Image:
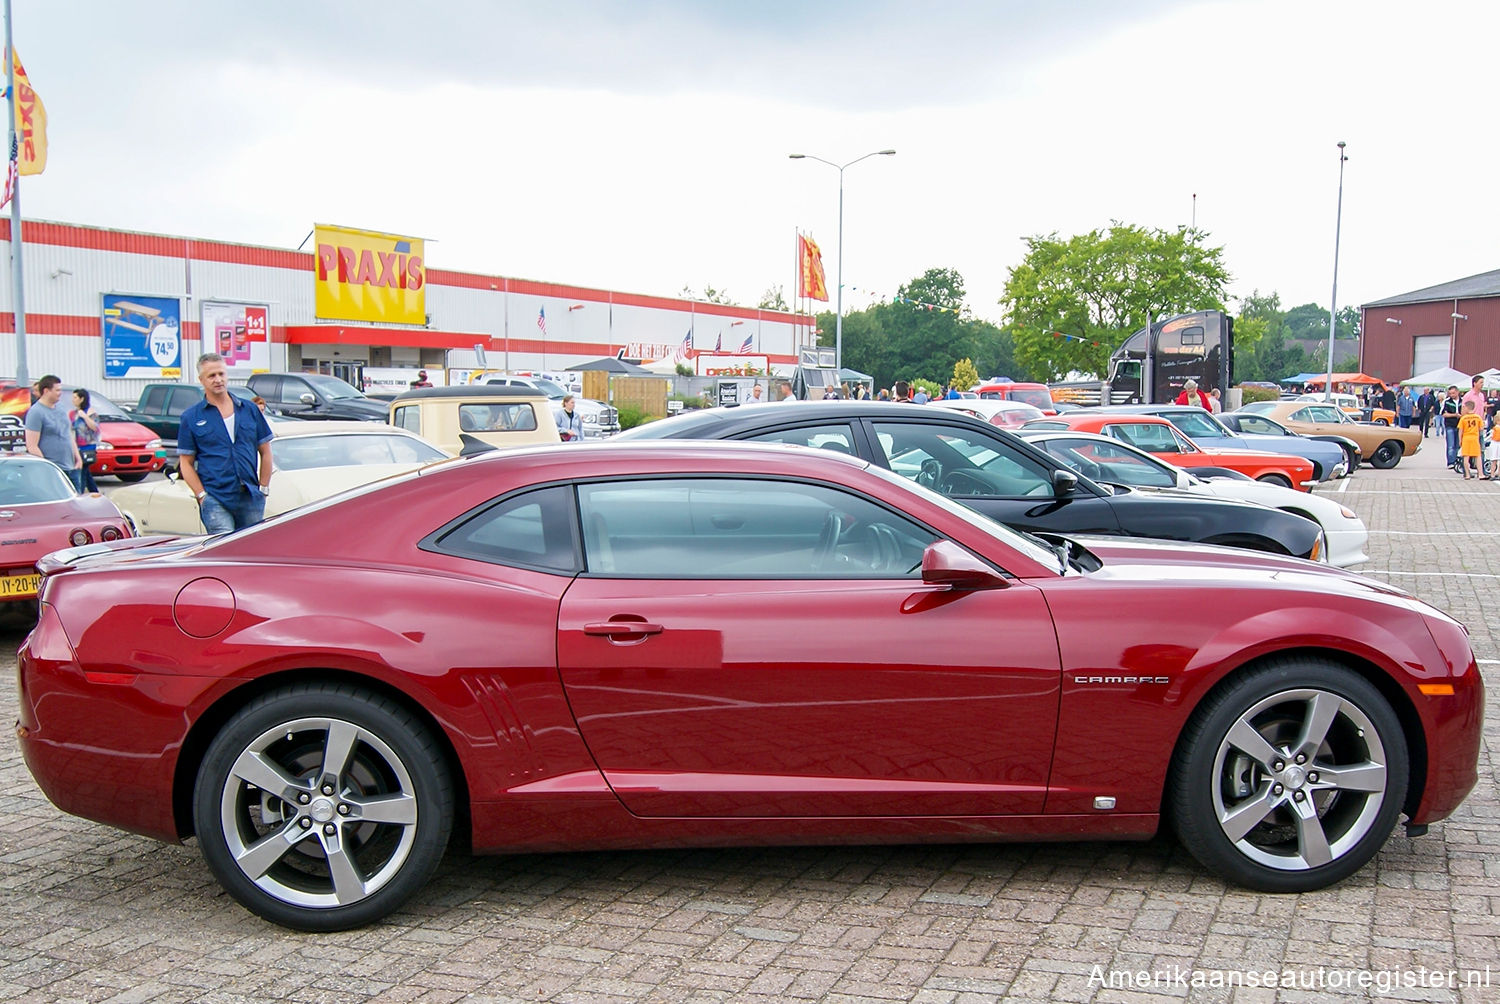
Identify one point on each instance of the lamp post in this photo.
(838, 317)
(1333, 306)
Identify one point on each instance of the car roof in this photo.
(294, 429)
(1073, 419)
(487, 391)
(767, 415)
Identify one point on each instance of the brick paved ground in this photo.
(90, 914)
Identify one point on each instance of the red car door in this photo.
(785, 690)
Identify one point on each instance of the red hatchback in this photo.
(720, 643)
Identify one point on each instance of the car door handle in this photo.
(615, 629)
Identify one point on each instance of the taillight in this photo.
(79, 537)
(109, 533)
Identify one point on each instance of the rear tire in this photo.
(322, 807)
(1250, 810)
(1386, 455)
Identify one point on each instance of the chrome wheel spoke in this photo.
(261, 856)
(399, 808)
(1247, 740)
(1247, 815)
(348, 883)
(1321, 711)
(267, 775)
(337, 750)
(1311, 839)
(1367, 777)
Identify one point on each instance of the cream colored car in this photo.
(311, 460)
(496, 416)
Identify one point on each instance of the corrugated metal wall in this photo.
(68, 269)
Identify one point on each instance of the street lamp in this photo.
(1333, 306)
(838, 322)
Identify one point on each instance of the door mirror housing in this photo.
(308, 399)
(944, 563)
(1063, 482)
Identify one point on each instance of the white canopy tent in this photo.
(1443, 376)
(1491, 378)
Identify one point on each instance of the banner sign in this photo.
(711, 365)
(142, 336)
(238, 332)
(648, 350)
(362, 275)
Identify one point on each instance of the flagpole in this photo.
(18, 289)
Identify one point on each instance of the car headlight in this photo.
(102, 445)
(1348, 513)
(153, 445)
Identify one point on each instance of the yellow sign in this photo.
(368, 276)
(31, 123)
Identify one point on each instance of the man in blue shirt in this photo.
(49, 433)
(224, 446)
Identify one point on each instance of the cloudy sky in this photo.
(643, 146)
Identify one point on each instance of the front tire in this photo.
(131, 479)
(322, 807)
(1386, 456)
(1250, 810)
(1275, 479)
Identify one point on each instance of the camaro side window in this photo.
(533, 530)
(838, 438)
(729, 528)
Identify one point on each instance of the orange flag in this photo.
(811, 283)
(31, 123)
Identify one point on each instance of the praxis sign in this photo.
(367, 276)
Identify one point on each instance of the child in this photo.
(1469, 428)
(1492, 451)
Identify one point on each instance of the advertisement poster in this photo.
(142, 336)
(238, 332)
(362, 275)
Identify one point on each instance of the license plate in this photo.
(20, 585)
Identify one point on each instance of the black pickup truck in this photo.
(162, 404)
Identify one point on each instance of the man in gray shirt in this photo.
(49, 434)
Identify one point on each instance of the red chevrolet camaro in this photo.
(661, 644)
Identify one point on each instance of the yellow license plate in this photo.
(20, 585)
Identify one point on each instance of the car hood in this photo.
(128, 434)
(1139, 559)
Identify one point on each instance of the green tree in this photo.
(709, 295)
(773, 299)
(1071, 302)
(926, 329)
(964, 374)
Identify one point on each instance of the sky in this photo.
(643, 146)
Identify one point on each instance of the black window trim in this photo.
(433, 542)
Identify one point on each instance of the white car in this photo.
(1107, 460)
(1005, 414)
(311, 460)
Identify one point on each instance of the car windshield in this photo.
(331, 387)
(1025, 543)
(552, 390)
(300, 453)
(1258, 407)
(101, 405)
(27, 481)
(1198, 425)
(1032, 396)
(1100, 460)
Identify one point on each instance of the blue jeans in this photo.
(249, 508)
(1451, 431)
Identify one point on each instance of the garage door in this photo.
(1429, 352)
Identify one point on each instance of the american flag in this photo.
(719, 343)
(748, 345)
(10, 172)
(541, 319)
(685, 348)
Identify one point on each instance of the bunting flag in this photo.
(1074, 338)
(31, 122)
(812, 284)
(919, 304)
(748, 345)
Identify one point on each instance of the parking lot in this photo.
(94, 914)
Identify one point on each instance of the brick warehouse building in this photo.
(75, 273)
(1453, 324)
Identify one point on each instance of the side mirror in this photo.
(307, 398)
(1063, 482)
(944, 563)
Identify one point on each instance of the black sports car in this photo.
(994, 472)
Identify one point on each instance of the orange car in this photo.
(1161, 438)
(1035, 394)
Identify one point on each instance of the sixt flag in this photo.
(811, 282)
(363, 275)
(31, 123)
